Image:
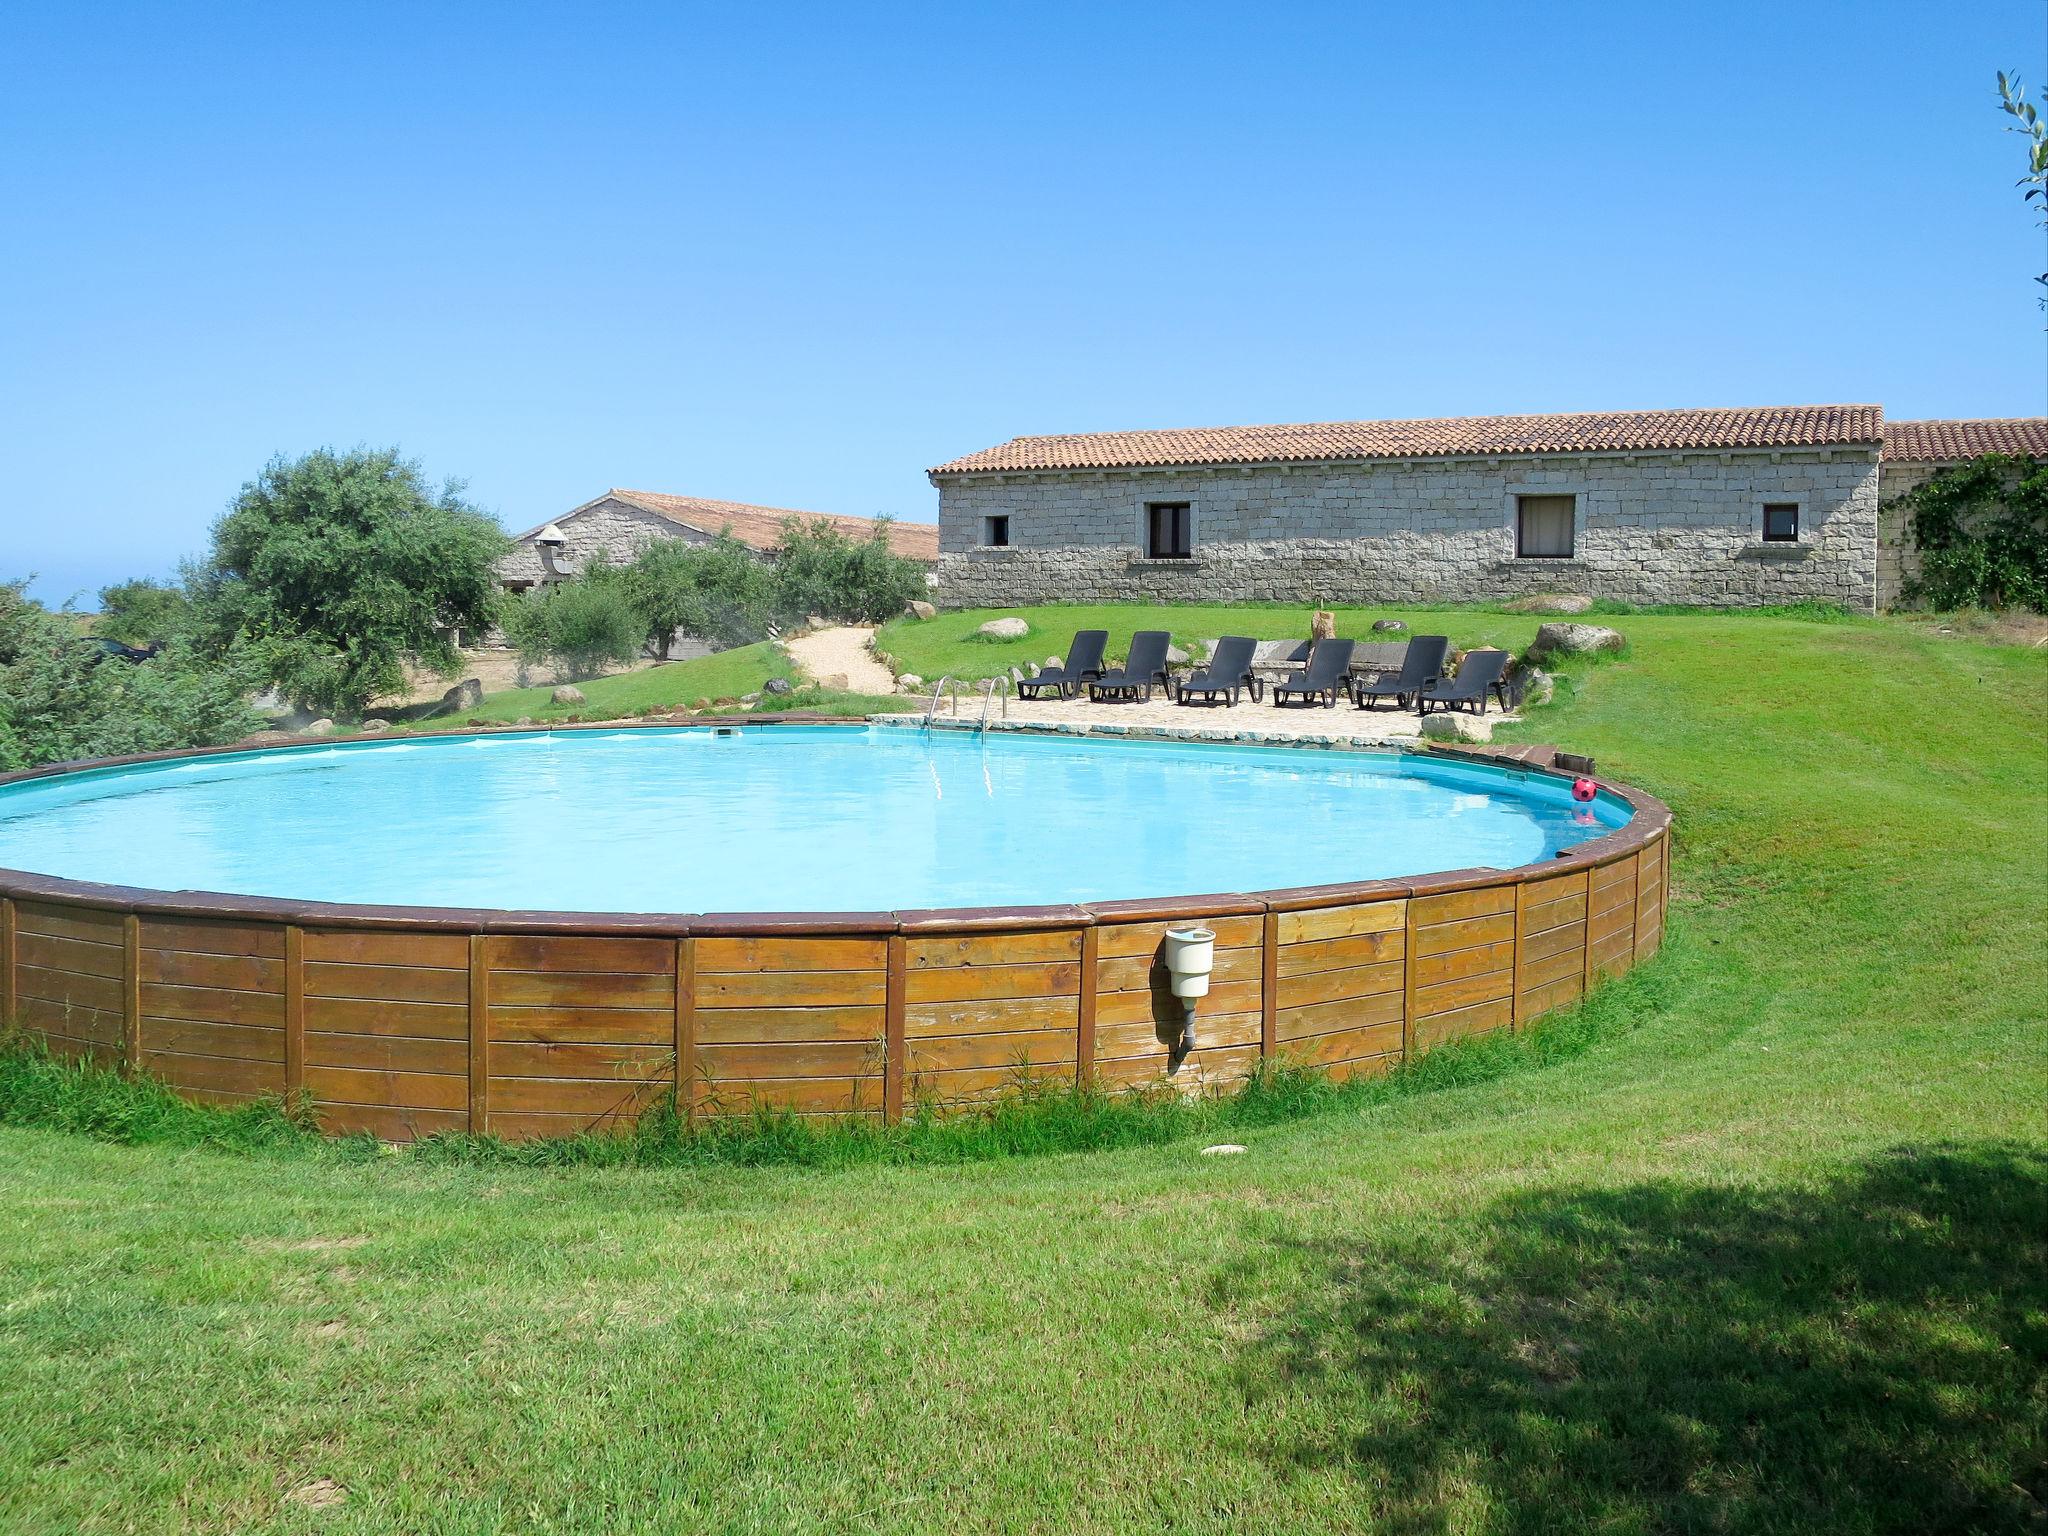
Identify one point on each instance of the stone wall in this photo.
(608, 530)
(1662, 528)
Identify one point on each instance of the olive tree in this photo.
(334, 571)
(720, 592)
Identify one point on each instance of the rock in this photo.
(1538, 686)
(320, 727)
(919, 609)
(373, 725)
(1055, 661)
(1176, 657)
(1550, 602)
(1574, 640)
(1450, 726)
(1387, 626)
(777, 686)
(910, 682)
(1223, 1149)
(750, 698)
(1016, 676)
(696, 704)
(837, 680)
(568, 693)
(1031, 669)
(465, 695)
(1322, 625)
(1005, 629)
(524, 720)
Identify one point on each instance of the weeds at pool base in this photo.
(1035, 1117)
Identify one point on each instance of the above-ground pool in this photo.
(795, 818)
(536, 933)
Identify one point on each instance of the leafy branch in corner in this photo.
(2012, 97)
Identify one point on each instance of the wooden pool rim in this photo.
(411, 1021)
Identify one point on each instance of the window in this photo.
(1543, 527)
(1169, 529)
(995, 531)
(1781, 522)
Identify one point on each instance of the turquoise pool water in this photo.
(778, 819)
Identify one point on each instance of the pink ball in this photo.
(1584, 789)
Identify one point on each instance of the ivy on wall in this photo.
(1982, 532)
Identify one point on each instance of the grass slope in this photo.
(1768, 1255)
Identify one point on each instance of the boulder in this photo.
(1538, 686)
(374, 725)
(1449, 725)
(1055, 661)
(697, 704)
(1550, 602)
(320, 727)
(1322, 625)
(524, 720)
(464, 696)
(568, 693)
(1176, 657)
(910, 682)
(919, 609)
(1005, 629)
(1387, 626)
(1574, 640)
(777, 686)
(836, 680)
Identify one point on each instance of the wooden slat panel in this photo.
(9, 965)
(964, 983)
(896, 999)
(981, 1082)
(742, 1026)
(790, 989)
(69, 987)
(985, 1017)
(344, 1015)
(1334, 986)
(1620, 872)
(618, 1063)
(1555, 888)
(1363, 1066)
(254, 1079)
(716, 956)
(1537, 1001)
(1554, 941)
(1352, 1013)
(1605, 925)
(1344, 1045)
(535, 1127)
(551, 1095)
(88, 925)
(811, 1058)
(1207, 1071)
(259, 941)
(1430, 970)
(64, 954)
(1324, 954)
(361, 946)
(1427, 911)
(396, 983)
(1085, 1010)
(584, 989)
(1269, 983)
(1562, 913)
(183, 1037)
(1121, 941)
(387, 1054)
(294, 1013)
(238, 973)
(800, 1095)
(213, 1005)
(1462, 992)
(390, 1124)
(1458, 1023)
(1566, 962)
(1159, 1001)
(411, 1090)
(1470, 933)
(1616, 898)
(1134, 973)
(1611, 956)
(575, 953)
(991, 948)
(1121, 1041)
(583, 1026)
(97, 1026)
(479, 1021)
(1342, 922)
(1039, 1047)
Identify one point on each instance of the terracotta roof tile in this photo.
(1791, 426)
(1953, 442)
(761, 527)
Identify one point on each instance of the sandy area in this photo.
(1295, 722)
(841, 652)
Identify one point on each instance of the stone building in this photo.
(620, 523)
(1708, 507)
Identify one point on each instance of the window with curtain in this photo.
(1543, 527)
(1168, 530)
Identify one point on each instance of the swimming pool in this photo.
(796, 818)
(541, 933)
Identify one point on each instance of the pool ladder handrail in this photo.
(990, 687)
(939, 688)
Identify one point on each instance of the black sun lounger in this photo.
(1421, 670)
(1145, 666)
(1480, 673)
(1229, 673)
(1327, 674)
(1084, 665)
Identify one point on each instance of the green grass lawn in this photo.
(1770, 1256)
(727, 675)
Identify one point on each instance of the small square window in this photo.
(1169, 529)
(1781, 522)
(995, 532)
(1543, 527)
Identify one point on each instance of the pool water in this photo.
(782, 818)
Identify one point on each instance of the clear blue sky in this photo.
(796, 253)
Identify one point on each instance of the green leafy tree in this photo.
(2012, 99)
(334, 571)
(1982, 532)
(821, 571)
(142, 612)
(581, 625)
(721, 592)
(61, 697)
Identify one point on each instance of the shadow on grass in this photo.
(1866, 1355)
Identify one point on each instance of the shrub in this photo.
(854, 581)
(720, 592)
(579, 625)
(142, 612)
(1982, 532)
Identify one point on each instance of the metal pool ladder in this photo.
(990, 687)
(948, 685)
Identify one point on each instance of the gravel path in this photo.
(842, 652)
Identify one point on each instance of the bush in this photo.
(142, 612)
(721, 592)
(1982, 532)
(853, 581)
(61, 697)
(578, 625)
